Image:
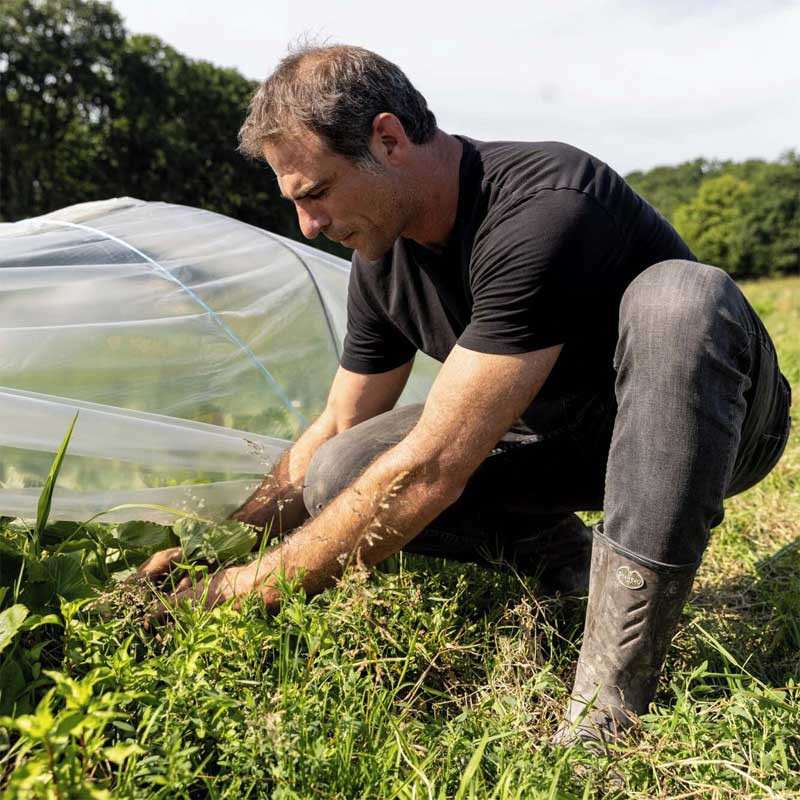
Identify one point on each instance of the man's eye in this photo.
(317, 195)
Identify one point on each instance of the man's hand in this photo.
(224, 585)
(160, 563)
(214, 590)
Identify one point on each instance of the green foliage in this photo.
(90, 112)
(772, 218)
(57, 60)
(742, 217)
(46, 497)
(712, 223)
(666, 188)
(64, 741)
(143, 537)
(214, 542)
(10, 622)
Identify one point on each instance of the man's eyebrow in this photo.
(308, 190)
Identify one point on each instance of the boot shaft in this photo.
(632, 615)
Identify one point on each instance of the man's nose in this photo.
(312, 221)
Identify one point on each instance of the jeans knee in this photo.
(339, 461)
(673, 310)
(325, 477)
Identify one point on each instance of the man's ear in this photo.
(389, 142)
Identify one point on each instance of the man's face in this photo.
(363, 210)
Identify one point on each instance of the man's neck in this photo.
(436, 201)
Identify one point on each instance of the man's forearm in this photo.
(388, 505)
(278, 501)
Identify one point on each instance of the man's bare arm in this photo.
(473, 402)
(278, 501)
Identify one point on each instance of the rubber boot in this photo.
(632, 615)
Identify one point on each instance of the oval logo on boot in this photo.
(630, 578)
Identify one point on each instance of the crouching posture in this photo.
(588, 363)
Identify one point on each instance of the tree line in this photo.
(743, 217)
(90, 111)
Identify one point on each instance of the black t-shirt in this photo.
(545, 242)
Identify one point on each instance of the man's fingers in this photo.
(162, 606)
(155, 615)
(212, 591)
(160, 562)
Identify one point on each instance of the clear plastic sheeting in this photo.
(193, 346)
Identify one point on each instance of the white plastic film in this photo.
(193, 346)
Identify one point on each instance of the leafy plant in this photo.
(214, 542)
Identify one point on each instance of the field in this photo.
(420, 680)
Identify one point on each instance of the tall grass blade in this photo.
(472, 768)
(46, 497)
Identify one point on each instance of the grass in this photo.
(420, 680)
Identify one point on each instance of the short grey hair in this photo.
(335, 91)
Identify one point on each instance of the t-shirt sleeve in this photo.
(373, 343)
(533, 262)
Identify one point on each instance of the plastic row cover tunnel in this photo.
(193, 346)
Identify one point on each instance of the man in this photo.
(588, 363)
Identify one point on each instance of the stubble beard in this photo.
(392, 219)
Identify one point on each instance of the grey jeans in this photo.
(698, 411)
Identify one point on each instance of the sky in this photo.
(637, 83)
